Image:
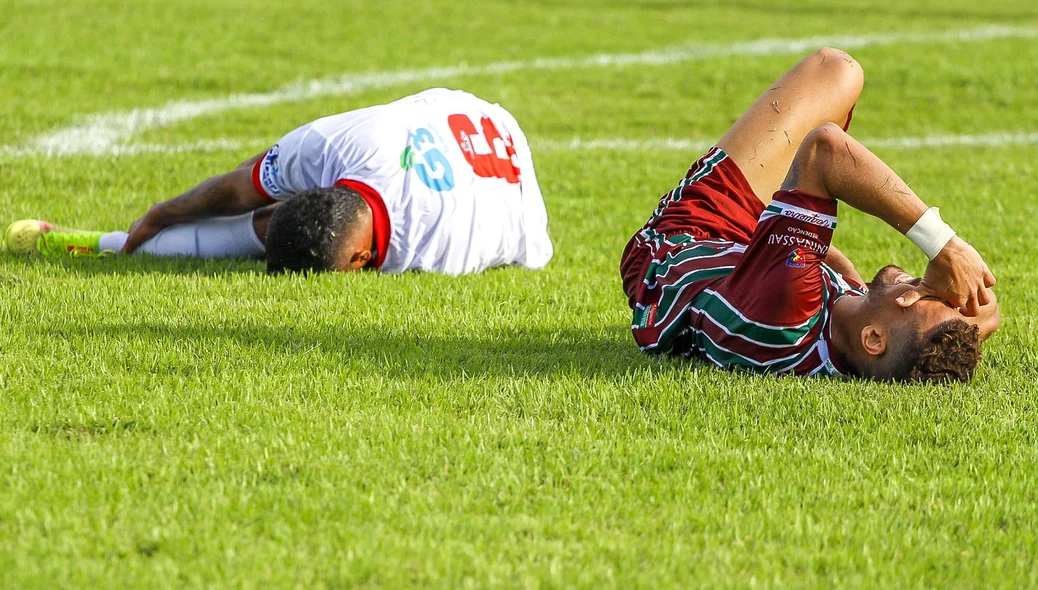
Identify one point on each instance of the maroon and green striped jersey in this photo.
(764, 306)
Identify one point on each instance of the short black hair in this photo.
(306, 231)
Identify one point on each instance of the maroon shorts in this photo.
(714, 201)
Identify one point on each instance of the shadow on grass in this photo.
(146, 264)
(608, 352)
(134, 265)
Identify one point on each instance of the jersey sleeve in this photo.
(779, 281)
(294, 164)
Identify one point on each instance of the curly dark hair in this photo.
(948, 352)
(307, 231)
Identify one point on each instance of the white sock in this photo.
(113, 240)
(220, 237)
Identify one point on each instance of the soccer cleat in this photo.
(21, 236)
(29, 236)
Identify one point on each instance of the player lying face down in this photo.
(441, 181)
(735, 265)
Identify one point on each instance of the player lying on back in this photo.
(735, 266)
(440, 181)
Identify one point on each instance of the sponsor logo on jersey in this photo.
(788, 240)
(812, 219)
(424, 154)
(799, 231)
(796, 259)
(407, 158)
(269, 171)
(645, 317)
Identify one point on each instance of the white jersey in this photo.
(449, 178)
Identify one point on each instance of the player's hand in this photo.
(145, 229)
(989, 318)
(957, 275)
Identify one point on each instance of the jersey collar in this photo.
(380, 226)
(829, 360)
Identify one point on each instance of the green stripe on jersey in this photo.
(679, 257)
(722, 356)
(733, 359)
(712, 306)
(708, 167)
(670, 292)
(641, 317)
(839, 281)
(675, 195)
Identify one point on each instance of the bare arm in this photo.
(227, 194)
(839, 262)
(832, 164)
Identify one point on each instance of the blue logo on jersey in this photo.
(269, 171)
(796, 259)
(428, 162)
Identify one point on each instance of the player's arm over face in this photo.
(832, 164)
(226, 194)
(839, 262)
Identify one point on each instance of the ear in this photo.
(360, 258)
(874, 339)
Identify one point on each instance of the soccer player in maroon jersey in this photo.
(736, 266)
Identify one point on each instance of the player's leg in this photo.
(26, 236)
(261, 221)
(821, 89)
(833, 165)
(240, 236)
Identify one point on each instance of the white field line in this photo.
(616, 144)
(101, 134)
(692, 145)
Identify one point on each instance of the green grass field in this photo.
(185, 423)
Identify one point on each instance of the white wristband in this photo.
(931, 234)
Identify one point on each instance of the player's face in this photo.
(890, 283)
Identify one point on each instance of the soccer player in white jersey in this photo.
(440, 181)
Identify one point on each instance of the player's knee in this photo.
(842, 72)
(820, 143)
(808, 169)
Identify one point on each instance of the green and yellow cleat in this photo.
(32, 236)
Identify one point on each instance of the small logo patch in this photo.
(407, 158)
(269, 170)
(796, 259)
(809, 217)
(644, 317)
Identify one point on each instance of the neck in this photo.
(846, 325)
